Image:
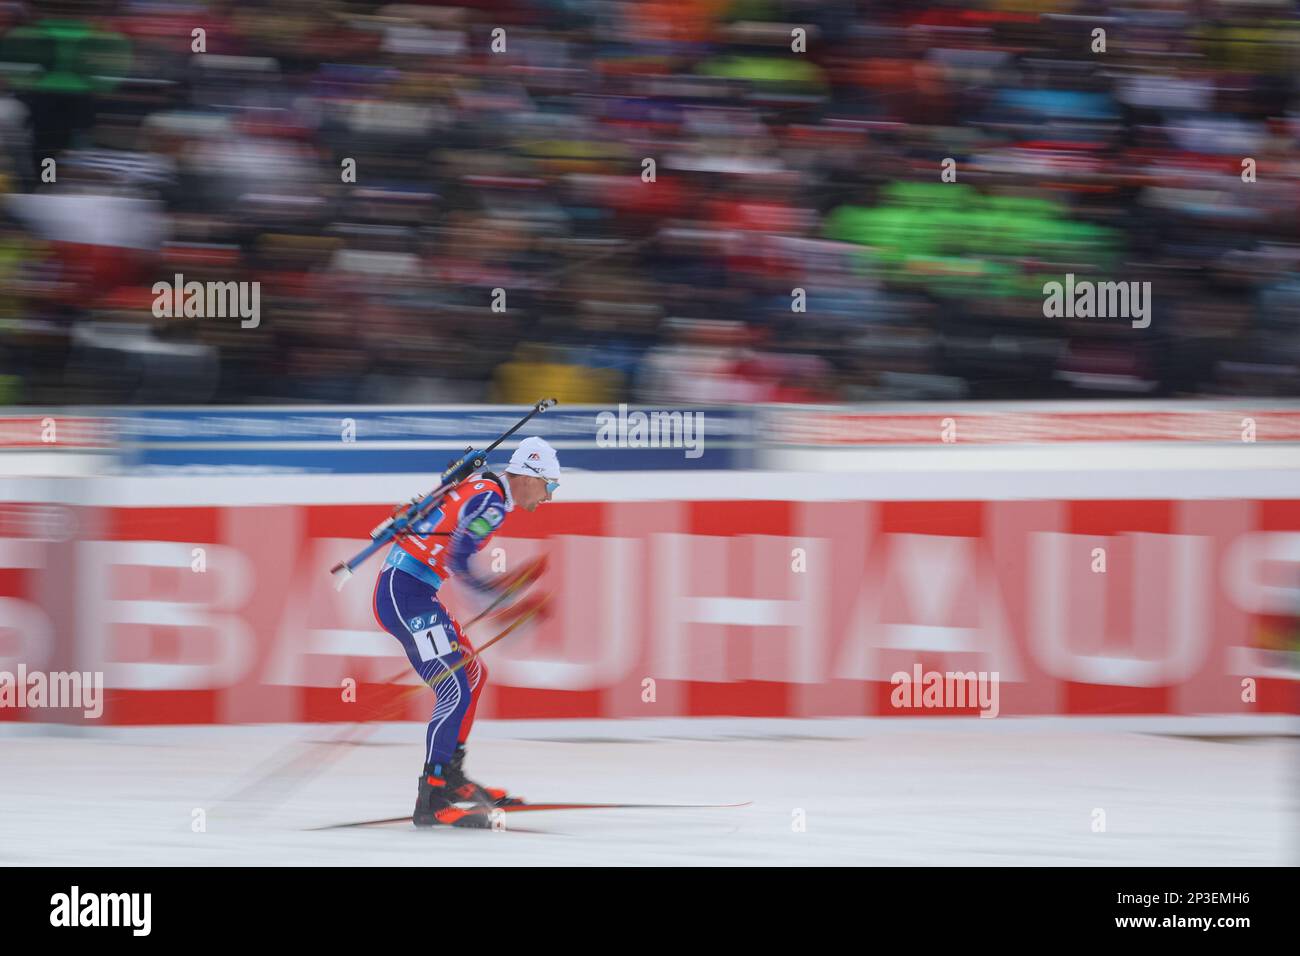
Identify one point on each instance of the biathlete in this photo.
(407, 606)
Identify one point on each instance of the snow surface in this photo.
(924, 796)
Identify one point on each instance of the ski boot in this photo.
(442, 802)
(492, 796)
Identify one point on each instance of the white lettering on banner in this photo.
(26, 620)
(1015, 597)
(599, 610)
(100, 613)
(1261, 572)
(747, 612)
(345, 642)
(935, 576)
(353, 631)
(682, 561)
(1170, 606)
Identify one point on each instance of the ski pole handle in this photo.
(540, 407)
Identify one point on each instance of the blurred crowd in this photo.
(659, 201)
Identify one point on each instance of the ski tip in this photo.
(533, 807)
(342, 574)
(386, 821)
(526, 807)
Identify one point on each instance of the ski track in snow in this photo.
(923, 798)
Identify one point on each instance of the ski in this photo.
(529, 807)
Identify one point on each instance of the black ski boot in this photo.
(492, 796)
(441, 803)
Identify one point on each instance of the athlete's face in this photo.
(529, 492)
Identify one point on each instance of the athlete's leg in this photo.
(477, 673)
(408, 609)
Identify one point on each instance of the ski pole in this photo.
(523, 618)
(294, 765)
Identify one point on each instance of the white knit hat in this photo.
(536, 458)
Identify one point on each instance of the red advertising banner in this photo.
(771, 608)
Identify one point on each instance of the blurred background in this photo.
(521, 170)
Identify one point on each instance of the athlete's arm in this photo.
(479, 520)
